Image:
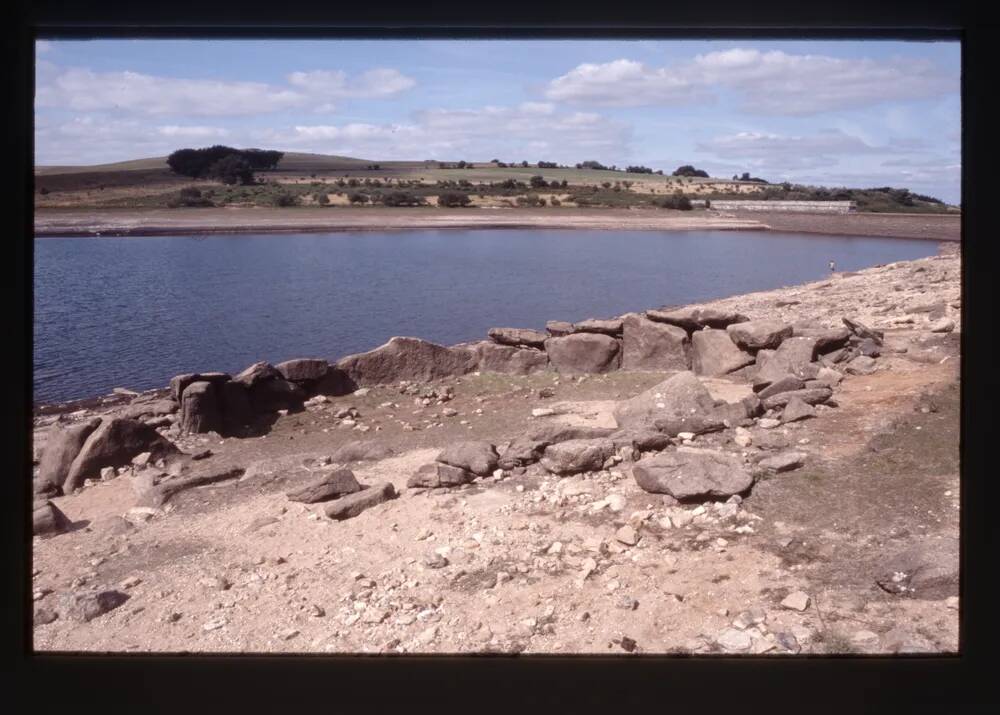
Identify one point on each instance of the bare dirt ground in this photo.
(132, 222)
(532, 562)
(938, 227)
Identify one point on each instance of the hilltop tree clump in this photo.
(592, 165)
(232, 169)
(201, 163)
(639, 170)
(688, 170)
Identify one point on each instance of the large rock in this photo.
(407, 359)
(353, 504)
(928, 569)
(518, 336)
(307, 370)
(331, 485)
(258, 372)
(200, 409)
(695, 318)
(86, 606)
(438, 475)
(793, 357)
(476, 457)
(796, 410)
(361, 451)
(522, 452)
(62, 447)
(47, 518)
(612, 326)
(757, 335)
(861, 365)
(559, 328)
(113, 444)
(688, 473)
(555, 433)
(681, 396)
(577, 455)
(267, 396)
(809, 395)
(713, 353)
(584, 353)
(178, 383)
(509, 360)
(647, 345)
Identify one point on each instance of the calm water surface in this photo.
(133, 312)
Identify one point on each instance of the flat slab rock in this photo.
(436, 475)
(331, 485)
(809, 395)
(404, 358)
(518, 336)
(607, 326)
(303, 369)
(508, 360)
(681, 397)
(353, 504)
(696, 318)
(784, 462)
(689, 473)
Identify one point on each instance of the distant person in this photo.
(833, 266)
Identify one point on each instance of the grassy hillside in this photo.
(319, 179)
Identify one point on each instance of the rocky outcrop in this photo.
(406, 359)
(508, 360)
(555, 433)
(360, 451)
(713, 353)
(793, 357)
(587, 353)
(811, 396)
(113, 444)
(517, 337)
(757, 335)
(274, 394)
(577, 455)
(62, 447)
(688, 473)
(522, 452)
(179, 382)
(647, 345)
(558, 328)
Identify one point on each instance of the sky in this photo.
(832, 113)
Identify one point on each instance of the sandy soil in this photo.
(533, 563)
(939, 227)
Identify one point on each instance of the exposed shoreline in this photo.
(51, 223)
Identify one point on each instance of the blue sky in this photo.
(836, 113)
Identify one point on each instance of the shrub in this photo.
(555, 202)
(190, 192)
(537, 182)
(402, 198)
(677, 201)
(453, 199)
(356, 197)
(43, 191)
(322, 199)
(531, 200)
(285, 199)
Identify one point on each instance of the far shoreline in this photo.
(69, 223)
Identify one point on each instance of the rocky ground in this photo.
(847, 544)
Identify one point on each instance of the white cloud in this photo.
(508, 133)
(765, 149)
(173, 130)
(134, 92)
(42, 46)
(374, 83)
(772, 82)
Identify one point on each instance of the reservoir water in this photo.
(133, 312)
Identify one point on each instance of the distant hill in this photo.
(292, 161)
